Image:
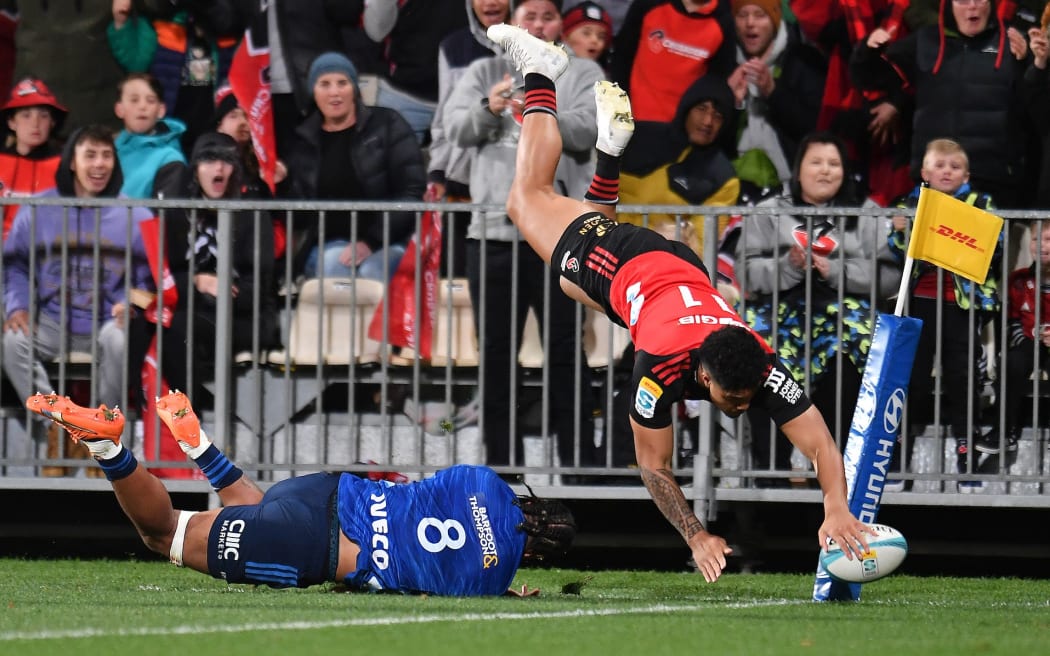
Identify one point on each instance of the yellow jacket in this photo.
(654, 189)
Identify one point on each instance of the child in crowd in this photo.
(587, 30)
(28, 158)
(148, 146)
(945, 168)
(1022, 330)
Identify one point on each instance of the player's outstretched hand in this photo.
(847, 531)
(709, 554)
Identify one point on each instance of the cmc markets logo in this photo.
(958, 236)
(891, 415)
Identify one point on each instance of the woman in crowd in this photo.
(193, 248)
(348, 151)
(810, 279)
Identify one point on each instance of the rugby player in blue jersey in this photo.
(461, 532)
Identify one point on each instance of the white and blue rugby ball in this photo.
(886, 551)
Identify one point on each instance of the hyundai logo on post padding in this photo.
(891, 416)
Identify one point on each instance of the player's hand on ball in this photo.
(886, 550)
(709, 554)
(847, 531)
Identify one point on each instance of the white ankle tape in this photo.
(175, 555)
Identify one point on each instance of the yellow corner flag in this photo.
(953, 235)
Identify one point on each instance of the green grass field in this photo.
(118, 608)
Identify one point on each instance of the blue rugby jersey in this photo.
(452, 534)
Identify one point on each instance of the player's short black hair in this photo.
(550, 527)
(735, 359)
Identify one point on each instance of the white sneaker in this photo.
(530, 55)
(615, 122)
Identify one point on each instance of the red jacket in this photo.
(1021, 304)
(662, 49)
(25, 175)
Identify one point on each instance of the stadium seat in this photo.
(530, 353)
(76, 357)
(454, 336)
(603, 341)
(330, 322)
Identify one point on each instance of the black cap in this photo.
(212, 146)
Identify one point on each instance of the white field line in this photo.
(380, 621)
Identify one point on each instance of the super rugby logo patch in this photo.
(649, 392)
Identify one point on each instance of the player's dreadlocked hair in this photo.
(733, 357)
(549, 525)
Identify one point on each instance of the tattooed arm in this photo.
(653, 448)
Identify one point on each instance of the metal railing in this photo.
(335, 399)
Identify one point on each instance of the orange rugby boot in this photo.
(175, 411)
(81, 423)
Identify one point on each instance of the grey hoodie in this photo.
(469, 124)
(448, 162)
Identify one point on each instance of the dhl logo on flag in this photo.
(953, 235)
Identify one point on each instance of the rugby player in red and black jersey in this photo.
(689, 343)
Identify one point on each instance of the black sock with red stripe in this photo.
(540, 95)
(605, 186)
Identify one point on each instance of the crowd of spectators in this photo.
(407, 100)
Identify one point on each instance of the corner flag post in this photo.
(952, 235)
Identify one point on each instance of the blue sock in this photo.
(119, 466)
(218, 468)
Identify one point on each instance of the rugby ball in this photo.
(886, 551)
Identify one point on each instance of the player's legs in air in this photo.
(180, 535)
(291, 526)
(538, 211)
(141, 495)
(175, 410)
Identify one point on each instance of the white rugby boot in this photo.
(530, 55)
(614, 118)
